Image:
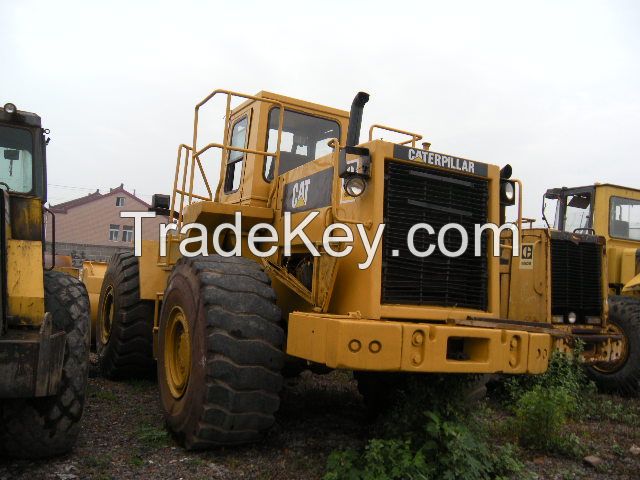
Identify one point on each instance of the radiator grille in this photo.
(576, 282)
(416, 194)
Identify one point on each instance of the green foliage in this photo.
(565, 372)
(416, 443)
(152, 436)
(602, 407)
(543, 404)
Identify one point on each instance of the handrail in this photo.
(414, 136)
(185, 186)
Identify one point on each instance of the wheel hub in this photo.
(106, 317)
(177, 352)
(611, 367)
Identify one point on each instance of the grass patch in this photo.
(152, 436)
(106, 395)
(443, 441)
(136, 461)
(97, 462)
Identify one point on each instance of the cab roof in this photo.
(588, 187)
(20, 117)
(295, 102)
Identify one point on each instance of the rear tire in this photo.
(220, 352)
(124, 327)
(47, 426)
(624, 376)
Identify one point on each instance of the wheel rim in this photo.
(611, 367)
(106, 316)
(177, 352)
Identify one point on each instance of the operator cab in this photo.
(575, 210)
(22, 153)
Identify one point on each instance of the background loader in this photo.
(613, 212)
(223, 327)
(44, 314)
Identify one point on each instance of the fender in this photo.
(632, 287)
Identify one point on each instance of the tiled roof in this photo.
(64, 207)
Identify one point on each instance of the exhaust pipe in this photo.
(355, 118)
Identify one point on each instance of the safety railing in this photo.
(415, 137)
(185, 174)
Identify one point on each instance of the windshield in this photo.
(570, 212)
(577, 215)
(16, 159)
(304, 138)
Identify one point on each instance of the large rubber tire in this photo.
(124, 343)
(235, 342)
(48, 426)
(624, 377)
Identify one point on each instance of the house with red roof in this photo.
(90, 227)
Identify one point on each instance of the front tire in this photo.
(124, 327)
(220, 352)
(48, 426)
(624, 375)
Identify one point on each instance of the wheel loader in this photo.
(225, 317)
(44, 313)
(612, 212)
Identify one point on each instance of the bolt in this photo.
(375, 346)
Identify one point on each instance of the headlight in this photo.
(10, 108)
(572, 317)
(355, 186)
(508, 192)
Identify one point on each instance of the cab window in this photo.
(236, 159)
(304, 138)
(16, 159)
(577, 216)
(624, 218)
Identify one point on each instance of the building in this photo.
(90, 227)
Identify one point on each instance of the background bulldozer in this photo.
(612, 212)
(44, 314)
(223, 327)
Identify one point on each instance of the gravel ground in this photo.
(123, 438)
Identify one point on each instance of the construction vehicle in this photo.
(44, 314)
(223, 326)
(612, 212)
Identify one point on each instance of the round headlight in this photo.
(355, 186)
(572, 317)
(508, 191)
(10, 108)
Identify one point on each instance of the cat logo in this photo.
(300, 193)
(526, 257)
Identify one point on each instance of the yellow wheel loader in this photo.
(314, 251)
(44, 314)
(612, 212)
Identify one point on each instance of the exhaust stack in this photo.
(355, 118)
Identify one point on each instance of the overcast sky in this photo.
(553, 88)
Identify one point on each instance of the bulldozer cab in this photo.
(607, 210)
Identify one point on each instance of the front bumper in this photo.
(358, 344)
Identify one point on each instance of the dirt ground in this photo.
(123, 438)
